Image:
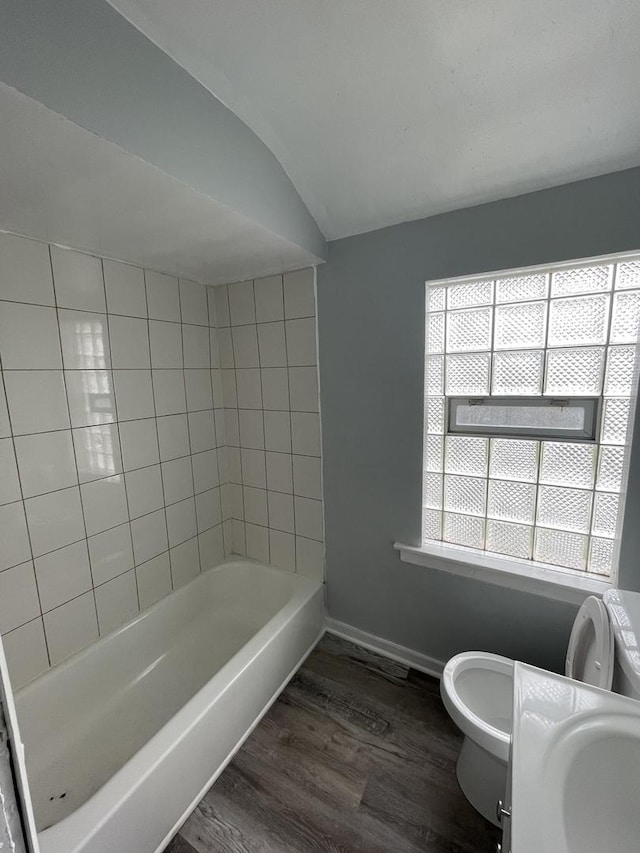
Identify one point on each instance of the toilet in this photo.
(477, 690)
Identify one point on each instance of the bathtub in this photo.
(123, 739)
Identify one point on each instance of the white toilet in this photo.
(477, 690)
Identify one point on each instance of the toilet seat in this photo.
(591, 646)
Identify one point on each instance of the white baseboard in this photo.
(386, 648)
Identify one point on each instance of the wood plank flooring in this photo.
(356, 756)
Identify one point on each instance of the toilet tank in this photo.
(624, 612)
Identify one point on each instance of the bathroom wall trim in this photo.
(401, 654)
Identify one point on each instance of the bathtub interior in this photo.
(82, 720)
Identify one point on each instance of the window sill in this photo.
(509, 572)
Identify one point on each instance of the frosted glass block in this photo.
(521, 288)
(620, 375)
(625, 324)
(514, 459)
(435, 333)
(466, 455)
(436, 297)
(601, 556)
(574, 372)
(431, 524)
(468, 374)
(578, 322)
(517, 373)
(567, 464)
(520, 326)
(564, 509)
(463, 530)
(465, 494)
(628, 275)
(516, 540)
(434, 375)
(432, 491)
(464, 295)
(605, 514)
(468, 331)
(581, 280)
(433, 453)
(434, 415)
(610, 469)
(511, 501)
(615, 420)
(560, 548)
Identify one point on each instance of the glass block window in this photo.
(566, 336)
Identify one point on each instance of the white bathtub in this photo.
(124, 738)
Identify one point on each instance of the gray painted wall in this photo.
(83, 60)
(371, 331)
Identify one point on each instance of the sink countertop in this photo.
(575, 766)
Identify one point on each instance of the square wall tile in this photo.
(55, 520)
(139, 443)
(303, 388)
(185, 563)
(241, 303)
(166, 344)
(202, 431)
(110, 553)
(149, 534)
(307, 477)
(282, 548)
(198, 388)
(249, 388)
(310, 558)
(251, 428)
(272, 345)
(257, 543)
(231, 427)
(281, 512)
(229, 388)
(78, 280)
(85, 340)
(275, 388)
(253, 468)
(26, 653)
(177, 479)
(238, 537)
(299, 295)
(269, 300)
(144, 491)
(277, 431)
(37, 400)
(173, 436)
(301, 342)
(309, 518)
(46, 462)
(116, 602)
(279, 472)
(221, 301)
(181, 521)
(71, 627)
(255, 506)
(91, 397)
(305, 433)
(211, 545)
(25, 271)
(63, 574)
(13, 535)
(208, 509)
(129, 343)
(205, 470)
(5, 427)
(97, 452)
(245, 346)
(40, 349)
(124, 287)
(18, 597)
(169, 392)
(225, 346)
(163, 300)
(195, 340)
(9, 483)
(193, 303)
(104, 503)
(154, 580)
(134, 394)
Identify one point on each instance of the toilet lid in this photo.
(591, 646)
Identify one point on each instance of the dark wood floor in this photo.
(356, 756)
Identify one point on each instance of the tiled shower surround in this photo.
(112, 446)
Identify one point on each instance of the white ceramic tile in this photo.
(13, 535)
(40, 349)
(78, 280)
(281, 511)
(71, 627)
(232, 429)
(104, 503)
(37, 400)
(18, 596)
(154, 580)
(54, 520)
(85, 340)
(257, 541)
(205, 470)
(198, 388)
(9, 483)
(5, 426)
(216, 388)
(241, 304)
(249, 389)
(139, 444)
(46, 462)
(305, 433)
(275, 388)
(211, 304)
(91, 397)
(272, 345)
(238, 537)
(299, 297)
(301, 341)
(225, 462)
(144, 491)
(163, 300)
(25, 270)
(310, 558)
(193, 303)
(279, 472)
(253, 468)
(149, 535)
(306, 477)
(282, 550)
(110, 553)
(219, 422)
(97, 452)
(195, 340)
(177, 480)
(251, 429)
(211, 547)
(245, 346)
(221, 301)
(166, 344)
(116, 602)
(25, 649)
(277, 431)
(225, 347)
(214, 349)
(202, 431)
(229, 392)
(303, 387)
(185, 563)
(255, 506)
(235, 501)
(173, 436)
(124, 286)
(62, 575)
(129, 338)
(208, 509)
(169, 393)
(134, 394)
(309, 518)
(269, 300)
(227, 537)
(181, 521)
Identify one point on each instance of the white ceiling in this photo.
(383, 111)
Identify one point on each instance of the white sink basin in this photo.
(575, 767)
